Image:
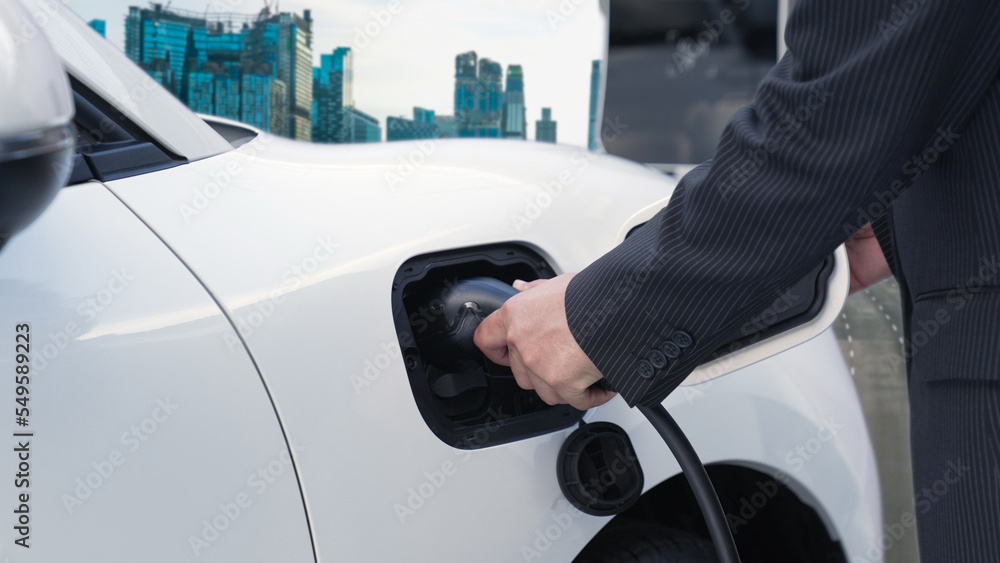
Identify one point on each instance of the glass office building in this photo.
(447, 125)
(227, 98)
(478, 96)
(366, 127)
(207, 60)
(284, 42)
(420, 127)
(466, 87)
(545, 129)
(491, 100)
(423, 115)
(201, 92)
(263, 101)
(158, 41)
(100, 26)
(513, 104)
(593, 131)
(333, 93)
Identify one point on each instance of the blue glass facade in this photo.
(402, 129)
(333, 94)
(201, 92)
(366, 127)
(466, 86)
(491, 84)
(545, 129)
(161, 42)
(447, 125)
(422, 115)
(203, 58)
(227, 98)
(257, 99)
(514, 126)
(283, 44)
(100, 26)
(595, 91)
(478, 96)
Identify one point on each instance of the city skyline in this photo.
(250, 68)
(485, 106)
(256, 69)
(387, 84)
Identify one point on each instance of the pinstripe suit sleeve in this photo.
(827, 144)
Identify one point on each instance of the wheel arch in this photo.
(773, 516)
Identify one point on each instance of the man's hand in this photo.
(868, 264)
(530, 334)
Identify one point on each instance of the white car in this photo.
(229, 359)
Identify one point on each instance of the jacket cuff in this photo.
(641, 354)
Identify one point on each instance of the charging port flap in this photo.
(468, 401)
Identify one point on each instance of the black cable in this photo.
(694, 471)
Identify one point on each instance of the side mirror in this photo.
(36, 127)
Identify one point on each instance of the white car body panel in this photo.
(124, 337)
(264, 274)
(333, 212)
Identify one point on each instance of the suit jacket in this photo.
(882, 111)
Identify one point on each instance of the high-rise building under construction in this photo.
(256, 68)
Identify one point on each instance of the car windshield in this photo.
(356, 71)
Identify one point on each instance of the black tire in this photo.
(631, 541)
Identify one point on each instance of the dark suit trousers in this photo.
(955, 430)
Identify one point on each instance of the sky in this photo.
(409, 60)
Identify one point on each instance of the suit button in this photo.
(670, 349)
(657, 359)
(682, 339)
(645, 369)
